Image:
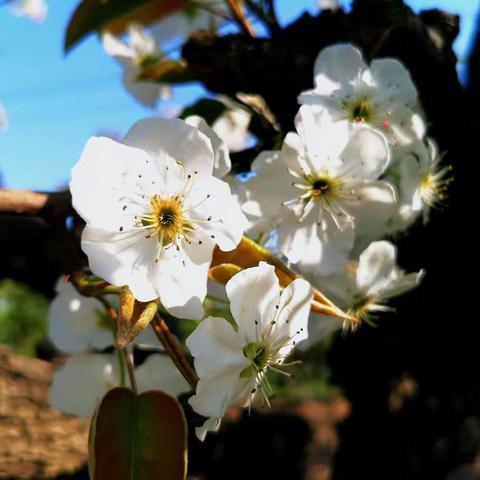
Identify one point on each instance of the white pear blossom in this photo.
(3, 119)
(140, 52)
(364, 288)
(77, 323)
(381, 95)
(321, 188)
(377, 279)
(233, 362)
(80, 384)
(154, 212)
(33, 9)
(422, 181)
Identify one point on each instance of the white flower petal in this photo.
(271, 186)
(74, 321)
(215, 201)
(140, 40)
(34, 9)
(232, 128)
(158, 372)
(337, 63)
(117, 49)
(323, 137)
(173, 136)
(372, 206)
(253, 294)
(293, 310)
(147, 93)
(392, 78)
(121, 260)
(312, 246)
(366, 156)
(215, 346)
(80, 384)
(222, 163)
(211, 425)
(216, 393)
(402, 284)
(101, 169)
(376, 264)
(180, 277)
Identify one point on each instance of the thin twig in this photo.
(174, 350)
(240, 17)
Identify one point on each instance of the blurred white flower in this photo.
(382, 95)
(199, 15)
(363, 289)
(3, 119)
(34, 9)
(328, 4)
(377, 279)
(77, 323)
(233, 363)
(141, 51)
(80, 384)
(422, 181)
(158, 372)
(154, 212)
(232, 128)
(322, 188)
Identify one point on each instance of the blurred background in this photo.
(374, 405)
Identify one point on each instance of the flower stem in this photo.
(130, 370)
(174, 350)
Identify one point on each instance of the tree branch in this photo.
(26, 202)
(174, 350)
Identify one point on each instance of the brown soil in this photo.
(35, 441)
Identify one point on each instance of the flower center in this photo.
(359, 110)
(258, 354)
(166, 219)
(434, 185)
(321, 186)
(363, 308)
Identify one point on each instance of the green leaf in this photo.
(207, 108)
(138, 437)
(115, 15)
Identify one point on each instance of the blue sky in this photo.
(56, 102)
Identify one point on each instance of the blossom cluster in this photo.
(159, 202)
(80, 327)
(358, 169)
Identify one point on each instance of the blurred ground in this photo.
(39, 443)
(35, 441)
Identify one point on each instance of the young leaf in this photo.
(138, 437)
(115, 15)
